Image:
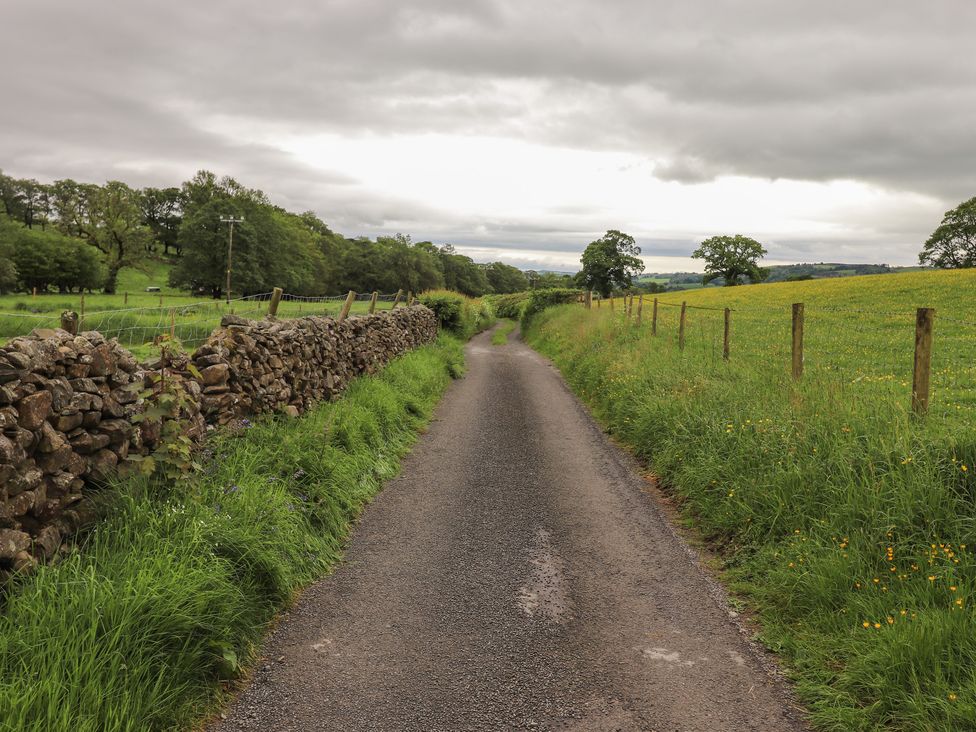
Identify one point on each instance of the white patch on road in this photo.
(663, 654)
(546, 593)
(739, 660)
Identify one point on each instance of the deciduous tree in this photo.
(731, 257)
(953, 244)
(610, 262)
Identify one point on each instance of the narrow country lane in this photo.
(515, 576)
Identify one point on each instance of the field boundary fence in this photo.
(190, 323)
(792, 325)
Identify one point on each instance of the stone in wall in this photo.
(67, 404)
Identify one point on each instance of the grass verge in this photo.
(846, 523)
(171, 593)
(500, 336)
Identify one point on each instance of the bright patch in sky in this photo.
(482, 183)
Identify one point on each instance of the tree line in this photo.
(73, 236)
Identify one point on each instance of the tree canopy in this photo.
(70, 235)
(610, 262)
(731, 257)
(953, 244)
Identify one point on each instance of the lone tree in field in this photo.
(731, 257)
(610, 261)
(953, 244)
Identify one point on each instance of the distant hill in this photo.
(778, 273)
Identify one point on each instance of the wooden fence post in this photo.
(409, 298)
(372, 302)
(160, 299)
(681, 326)
(69, 322)
(599, 300)
(654, 319)
(346, 305)
(172, 325)
(924, 321)
(276, 294)
(81, 317)
(612, 308)
(126, 300)
(589, 299)
(34, 292)
(725, 342)
(640, 307)
(797, 340)
(396, 300)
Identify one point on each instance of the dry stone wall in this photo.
(68, 403)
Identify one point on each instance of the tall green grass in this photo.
(171, 592)
(847, 523)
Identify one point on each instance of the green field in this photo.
(137, 318)
(845, 521)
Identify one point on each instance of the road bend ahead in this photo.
(515, 576)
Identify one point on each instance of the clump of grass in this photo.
(849, 524)
(500, 336)
(171, 592)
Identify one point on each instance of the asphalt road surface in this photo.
(517, 575)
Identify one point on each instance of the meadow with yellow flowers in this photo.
(844, 520)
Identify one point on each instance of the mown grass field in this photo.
(847, 523)
(168, 596)
(138, 318)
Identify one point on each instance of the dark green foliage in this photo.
(505, 278)
(508, 306)
(953, 244)
(730, 258)
(461, 274)
(173, 590)
(611, 262)
(45, 258)
(272, 247)
(458, 314)
(539, 300)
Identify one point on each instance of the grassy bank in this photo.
(500, 336)
(848, 524)
(171, 592)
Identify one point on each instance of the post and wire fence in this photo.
(871, 348)
(189, 322)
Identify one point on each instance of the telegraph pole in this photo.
(230, 245)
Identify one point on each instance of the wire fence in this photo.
(190, 323)
(849, 350)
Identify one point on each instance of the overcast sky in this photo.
(836, 130)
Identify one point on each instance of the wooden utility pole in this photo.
(230, 248)
(797, 340)
(924, 322)
(346, 305)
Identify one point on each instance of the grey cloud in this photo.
(882, 91)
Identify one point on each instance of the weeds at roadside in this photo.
(171, 592)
